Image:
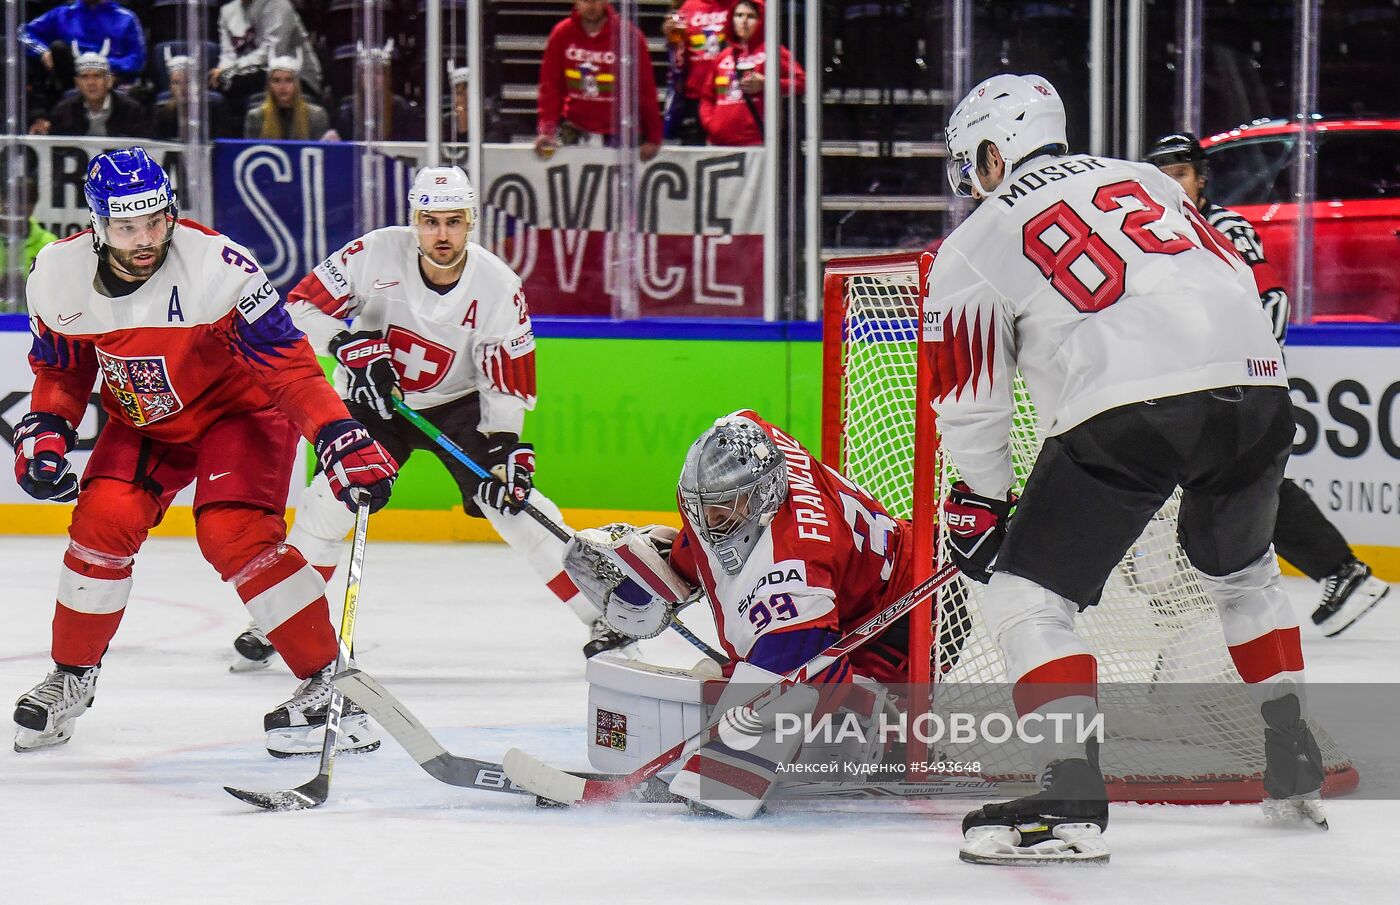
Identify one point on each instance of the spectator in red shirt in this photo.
(696, 35)
(731, 110)
(578, 79)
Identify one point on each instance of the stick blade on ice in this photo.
(529, 772)
(312, 794)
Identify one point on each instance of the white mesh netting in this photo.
(1177, 713)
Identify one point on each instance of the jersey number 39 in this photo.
(1076, 241)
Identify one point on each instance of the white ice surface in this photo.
(132, 810)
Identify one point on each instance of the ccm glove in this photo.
(976, 528)
(42, 441)
(369, 367)
(352, 460)
(513, 466)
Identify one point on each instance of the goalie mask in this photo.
(733, 481)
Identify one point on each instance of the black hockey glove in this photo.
(369, 366)
(512, 464)
(42, 442)
(976, 527)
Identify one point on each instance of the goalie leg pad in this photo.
(739, 770)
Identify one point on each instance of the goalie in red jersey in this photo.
(205, 380)
(791, 556)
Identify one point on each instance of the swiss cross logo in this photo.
(421, 363)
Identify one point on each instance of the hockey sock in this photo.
(92, 592)
(1260, 629)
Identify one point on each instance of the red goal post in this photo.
(1155, 631)
(871, 305)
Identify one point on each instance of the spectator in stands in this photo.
(250, 33)
(456, 125)
(56, 38)
(96, 109)
(578, 78)
(170, 111)
(732, 109)
(285, 115)
(696, 35)
(36, 236)
(399, 119)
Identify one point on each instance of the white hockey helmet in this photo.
(442, 189)
(1020, 114)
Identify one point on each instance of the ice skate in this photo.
(254, 650)
(44, 715)
(298, 726)
(1293, 771)
(1064, 821)
(1347, 595)
(603, 638)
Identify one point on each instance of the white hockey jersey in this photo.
(1103, 285)
(476, 338)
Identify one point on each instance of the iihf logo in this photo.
(1261, 367)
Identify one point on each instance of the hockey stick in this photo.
(441, 439)
(556, 785)
(313, 793)
(428, 752)
(471, 773)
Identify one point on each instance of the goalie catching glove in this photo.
(624, 572)
(976, 528)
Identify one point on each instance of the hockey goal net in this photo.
(1180, 724)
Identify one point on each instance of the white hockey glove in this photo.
(622, 570)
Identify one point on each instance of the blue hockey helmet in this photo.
(123, 184)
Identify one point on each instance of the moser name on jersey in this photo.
(1038, 179)
(788, 574)
(132, 205)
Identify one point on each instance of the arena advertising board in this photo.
(699, 241)
(699, 214)
(1346, 450)
(16, 381)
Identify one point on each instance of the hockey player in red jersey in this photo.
(1138, 331)
(790, 554)
(1302, 534)
(441, 321)
(205, 380)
